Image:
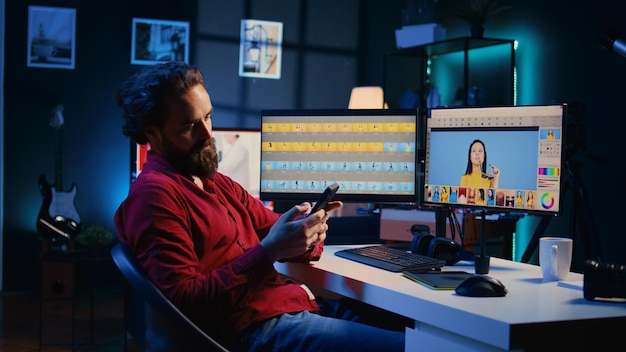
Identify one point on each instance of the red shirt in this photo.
(202, 249)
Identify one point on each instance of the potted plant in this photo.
(94, 238)
(477, 13)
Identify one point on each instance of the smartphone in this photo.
(327, 196)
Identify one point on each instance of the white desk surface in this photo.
(500, 322)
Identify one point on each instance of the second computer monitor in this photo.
(503, 158)
(239, 156)
(371, 154)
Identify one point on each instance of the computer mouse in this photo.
(481, 286)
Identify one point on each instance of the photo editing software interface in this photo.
(503, 158)
(371, 154)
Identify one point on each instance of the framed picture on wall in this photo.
(51, 37)
(260, 49)
(159, 41)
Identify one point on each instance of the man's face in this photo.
(185, 139)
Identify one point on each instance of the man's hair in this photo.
(143, 96)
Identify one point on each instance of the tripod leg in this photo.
(587, 224)
(534, 241)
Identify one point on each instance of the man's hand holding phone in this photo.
(298, 228)
(326, 198)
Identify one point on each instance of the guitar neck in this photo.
(58, 161)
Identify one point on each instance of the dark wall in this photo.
(94, 154)
(330, 46)
(559, 61)
(321, 63)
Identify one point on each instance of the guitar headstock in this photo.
(56, 121)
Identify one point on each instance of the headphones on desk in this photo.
(443, 248)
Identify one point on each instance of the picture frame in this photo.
(51, 37)
(260, 50)
(155, 40)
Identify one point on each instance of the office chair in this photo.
(166, 327)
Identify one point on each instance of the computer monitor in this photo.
(239, 152)
(519, 150)
(370, 153)
(138, 155)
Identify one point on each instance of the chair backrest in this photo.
(166, 327)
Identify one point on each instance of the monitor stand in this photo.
(441, 215)
(481, 261)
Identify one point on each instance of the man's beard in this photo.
(201, 161)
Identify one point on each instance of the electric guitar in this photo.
(58, 217)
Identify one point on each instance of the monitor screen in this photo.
(138, 154)
(504, 158)
(371, 154)
(239, 152)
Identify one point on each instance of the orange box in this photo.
(395, 224)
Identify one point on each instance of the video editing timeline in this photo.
(524, 142)
(366, 154)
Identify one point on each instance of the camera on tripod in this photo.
(604, 280)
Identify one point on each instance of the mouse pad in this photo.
(438, 280)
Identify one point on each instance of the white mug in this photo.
(555, 257)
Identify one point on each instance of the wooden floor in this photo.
(22, 313)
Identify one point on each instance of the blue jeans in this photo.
(337, 327)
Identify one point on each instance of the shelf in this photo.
(449, 46)
(411, 67)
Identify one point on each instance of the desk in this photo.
(530, 315)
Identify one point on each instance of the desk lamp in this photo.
(367, 97)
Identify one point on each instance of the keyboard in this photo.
(390, 258)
